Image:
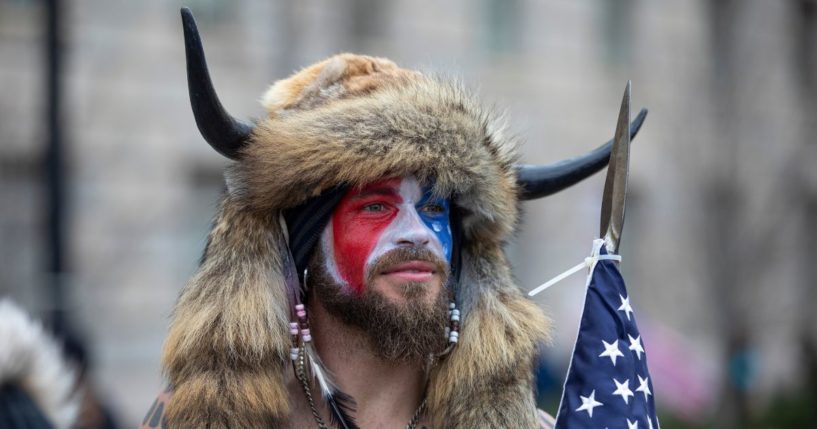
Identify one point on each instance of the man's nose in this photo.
(414, 231)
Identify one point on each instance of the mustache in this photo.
(406, 254)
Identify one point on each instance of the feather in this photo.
(340, 404)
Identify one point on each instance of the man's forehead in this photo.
(407, 186)
(387, 185)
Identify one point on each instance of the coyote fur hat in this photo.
(347, 121)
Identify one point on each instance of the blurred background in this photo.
(107, 189)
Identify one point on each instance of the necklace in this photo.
(300, 372)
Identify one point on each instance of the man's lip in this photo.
(411, 267)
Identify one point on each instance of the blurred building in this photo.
(722, 204)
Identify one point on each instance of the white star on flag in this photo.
(635, 345)
(632, 425)
(588, 403)
(625, 306)
(644, 387)
(623, 390)
(611, 351)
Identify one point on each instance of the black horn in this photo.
(537, 181)
(225, 134)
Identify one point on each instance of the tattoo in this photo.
(150, 412)
(155, 418)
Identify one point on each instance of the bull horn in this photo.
(537, 181)
(225, 134)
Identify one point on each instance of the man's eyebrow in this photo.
(385, 191)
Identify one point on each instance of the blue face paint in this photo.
(435, 212)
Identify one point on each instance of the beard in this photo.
(396, 331)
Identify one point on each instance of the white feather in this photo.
(325, 382)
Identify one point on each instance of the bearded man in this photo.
(355, 274)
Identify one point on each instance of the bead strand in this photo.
(299, 331)
(453, 331)
(293, 331)
(303, 323)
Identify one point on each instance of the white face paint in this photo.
(408, 228)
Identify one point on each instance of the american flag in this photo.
(608, 385)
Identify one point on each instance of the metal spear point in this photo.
(615, 188)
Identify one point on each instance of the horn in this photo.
(537, 181)
(225, 134)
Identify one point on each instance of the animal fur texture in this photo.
(32, 360)
(355, 119)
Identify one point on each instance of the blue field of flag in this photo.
(608, 384)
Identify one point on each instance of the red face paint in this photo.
(357, 223)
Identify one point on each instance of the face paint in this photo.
(435, 212)
(382, 216)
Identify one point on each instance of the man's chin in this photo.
(403, 320)
(398, 289)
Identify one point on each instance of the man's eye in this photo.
(433, 209)
(374, 207)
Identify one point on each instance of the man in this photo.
(355, 274)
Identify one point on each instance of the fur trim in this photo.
(486, 382)
(228, 342)
(368, 121)
(32, 359)
(354, 119)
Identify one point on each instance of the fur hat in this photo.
(349, 120)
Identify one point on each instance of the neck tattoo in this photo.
(300, 372)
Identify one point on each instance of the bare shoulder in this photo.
(546, 421)
(154, 419)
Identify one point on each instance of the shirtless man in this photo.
(355, 274)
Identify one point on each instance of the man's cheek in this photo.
(353, 245)
(442, 231)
